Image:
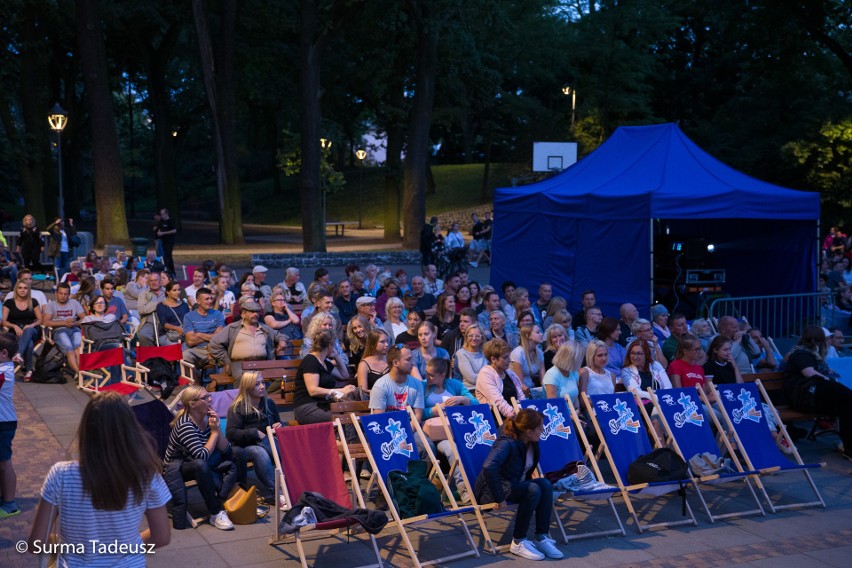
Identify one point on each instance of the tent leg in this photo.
(651, 249)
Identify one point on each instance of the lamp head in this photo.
(57, 118)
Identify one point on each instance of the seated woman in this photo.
(86, 292)
(701, 329)
(475, 294)
(811, 386)
(469, 358)
(282, 318)
(525, 318)
(320, 322)
(409, 336)
(520, 303)
(686, 370)
(316, 380)
(641, 372)
(445, 317)
(443, 391)
(554, 336)
(507, 476)
(563, 378)
(198, 450)
(610, 332)
(355, 341)
(557, 309)
(595, 378)
(389, 290)
(721, 367)
(22, 317)
(426, 334)
(528, 359)
(496, 384)
(170, 314)
(102, 329)
(248, 418)
(394, 324)
(463, 298)
(374, 363)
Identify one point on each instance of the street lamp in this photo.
(325, 144)
(58, 119)
(360, 153)
(569, 92)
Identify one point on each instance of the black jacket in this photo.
(503, 469)
(242, 429)
(372, 520)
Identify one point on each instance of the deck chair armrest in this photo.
(91, 374)
(140, 367)
(636, 487)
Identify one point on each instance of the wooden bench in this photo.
(274, 370)
(338, 225)
(773, 384)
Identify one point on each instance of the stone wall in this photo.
(342, 258)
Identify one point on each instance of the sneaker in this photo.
(547, 545)
(28, 376)
(222, 522)
(784, 445)
(526, 549)
(4, 514)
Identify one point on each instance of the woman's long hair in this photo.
(187, 395)
(116, 455)
(243, 400)
(524, 421)
(531, 348)
(355, 342)
(373, 341)
(686, 341)
(28, 297)
(813, 340)
(645, 350)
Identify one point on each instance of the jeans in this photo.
(10, 272)
(215, 477)
(446, 449)
(67, 338)
(61, 263)
(26, 344)
(261, 455)
(531, 496)
(835, 399)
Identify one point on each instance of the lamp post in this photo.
(360, 153)
(570, 92)
(58, 119)
(325, 144)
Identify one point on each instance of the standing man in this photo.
(166, 231)
(427, 240)
(483, 237)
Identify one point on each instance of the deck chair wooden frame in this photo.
(170, 353)
(320, 530)
(626, 450)
(396, 445)
(560, 445)
(693, 435)
(94, 374)
(447, 419)
(742, 411)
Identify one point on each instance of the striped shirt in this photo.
(186, 441)
(80, 523)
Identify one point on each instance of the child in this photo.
(8, 425)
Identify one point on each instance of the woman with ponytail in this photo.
(507, 476)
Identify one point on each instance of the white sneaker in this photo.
(548, 546)
(526, 549)
(222, 522)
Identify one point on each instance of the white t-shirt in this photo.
(80, 523)
(37, 295)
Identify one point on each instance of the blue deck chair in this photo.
(472, 431)
(624, 437)
(744, 417)
(688, 428)
(560, 444)
(391, 445)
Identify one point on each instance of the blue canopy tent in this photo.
(592, 226)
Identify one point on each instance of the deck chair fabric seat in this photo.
(619, 425)
(390, 441)
(306, 459)
(688, 425)
(745, 418)
(561, 445)
(94, 375)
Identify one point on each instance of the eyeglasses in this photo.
(207, 397)
(637, 354)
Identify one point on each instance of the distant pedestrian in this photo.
(166, 232)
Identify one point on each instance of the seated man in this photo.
(63, 316)
(245, 340)
(147, 305)
(743, 348)
(199, 326)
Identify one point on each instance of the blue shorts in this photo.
(7, 433)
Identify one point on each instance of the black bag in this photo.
(163, 375)
(49, 364)
(412, 493)
(661, 465)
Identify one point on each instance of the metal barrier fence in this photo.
(783, 316)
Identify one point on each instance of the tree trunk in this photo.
(106, 157)
(219, 83)
(310, 187)
(417, 156)
(393, 181)
(483, 196)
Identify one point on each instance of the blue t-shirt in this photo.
(117, 307)
(194, 321)
(565, 385)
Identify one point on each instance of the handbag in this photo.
(241, 505)
(434, 429)
(171, 334)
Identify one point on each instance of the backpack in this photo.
(412, 493)
(163, 375)
(662, 464)
(49, 365)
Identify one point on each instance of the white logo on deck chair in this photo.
(749, 409)
(690, 413)
(625, 420)
(398, 444)
(482, 430)
(555, 425)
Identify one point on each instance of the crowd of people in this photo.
(398, 340)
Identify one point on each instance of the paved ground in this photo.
(813, 537)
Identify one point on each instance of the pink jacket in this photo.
(489, 390)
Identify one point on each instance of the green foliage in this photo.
(827, 162)
(290, 162)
